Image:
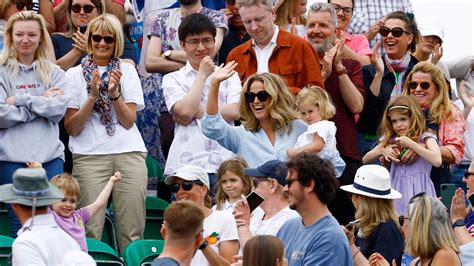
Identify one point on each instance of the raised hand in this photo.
(206, 67)
(114, 83)
(95, 84)
(327, 61)
(222, 72)
(116, 177)
(437, 54)
(377, 58)
(466, 99)
(79, 41)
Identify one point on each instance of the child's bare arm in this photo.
(312, 148)
(34, 164)
(103, 197)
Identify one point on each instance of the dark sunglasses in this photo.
(396, 32)
(467, 174)
(107, 39)
(413, 85)
(21, 5)
(401, 220)
(186, 185)
(261, 95)
(87, 8)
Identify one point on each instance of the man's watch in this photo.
(203, 245)
(168, 54)
(341, 71)
(458, 223)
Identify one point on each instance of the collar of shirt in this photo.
(347, 36)
(273, 41)
(41, 219)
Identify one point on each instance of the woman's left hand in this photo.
(55, 91)
(114, 83)
(242, 210)
(378, 260)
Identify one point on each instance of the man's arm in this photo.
(115, 7)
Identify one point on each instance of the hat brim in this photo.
(7, 196)
(170, 179)
(392, 195)
(254, 172)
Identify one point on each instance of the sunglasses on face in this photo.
(186, 185)
(99, 38)
(396, 32)
(87, 8)
(401, 220)
(413, 85)
(21, 5)
(467, 174)
(261, 95)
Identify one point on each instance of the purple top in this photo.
(74, 225)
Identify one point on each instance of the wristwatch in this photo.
(341, 71)
(203, 245)
(168, 54)
(458, 223)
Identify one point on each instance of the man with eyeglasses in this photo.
(316, 237)
(186, 92)
(343, 81)
(273, 50)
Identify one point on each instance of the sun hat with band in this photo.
(372, 181)
(189, 173)
(31, 188)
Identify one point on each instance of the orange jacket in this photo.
(293, 58)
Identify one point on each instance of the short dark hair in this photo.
(311, 167)
(195, 24)
(412, 27)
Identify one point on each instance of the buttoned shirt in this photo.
(263, 54)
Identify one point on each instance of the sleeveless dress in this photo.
(411, 179)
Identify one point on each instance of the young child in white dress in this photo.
(316, 108)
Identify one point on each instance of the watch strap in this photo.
(458, 223)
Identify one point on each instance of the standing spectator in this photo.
(356, 45)
(343, 82)
(104, 139)
(40, 241)
(428, 85)
(269, 121)
(272, 50)
(182, 230)
(291, 16)
(377, 224)
(315, 238)
(33, 99)
(384, 79)
(186, 93)
(164, 54)
(369, 16)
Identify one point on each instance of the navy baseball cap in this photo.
(272, 169)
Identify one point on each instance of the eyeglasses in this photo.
(290, 181)
(467, 174)
(396, 32)
(345, 10)
(87, 8)
(413, 85)
(20, 5)
(186, 185)
(207, 42)
(401, 220)
(262, 96)
(99, 38)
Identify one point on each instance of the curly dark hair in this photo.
(312, 167)
(412, 27)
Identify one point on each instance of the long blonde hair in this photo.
(281, 103)
(9, 57)
(441, 107)
(374, 211)
(403, 105)
(284, 13)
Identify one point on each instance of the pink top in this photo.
(451, 135)
(74, 225)
(358, 43)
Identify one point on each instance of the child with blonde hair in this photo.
(403, 127)
(315, 107)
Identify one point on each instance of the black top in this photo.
(231, 40)
(386, 239)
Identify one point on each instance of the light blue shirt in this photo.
(254, 147)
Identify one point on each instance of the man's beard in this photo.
(323, 47)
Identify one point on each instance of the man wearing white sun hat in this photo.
(377, 226)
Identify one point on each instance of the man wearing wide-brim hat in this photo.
(40, 241)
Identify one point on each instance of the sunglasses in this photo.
(413, 85)
(396, 32)
(401, 220)
(261, 95)
(186, 185)
(99, 38)
(467, 174)
(87, 8)
(21, 5)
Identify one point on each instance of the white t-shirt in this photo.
(272, 225)
(327, 131)
(221, 223)
(93, 139)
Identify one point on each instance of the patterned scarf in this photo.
(102, 105)
(398, 68)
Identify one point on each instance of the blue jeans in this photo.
(54, 167)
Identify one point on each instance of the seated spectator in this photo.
(191, 182)
(182, 230)
(462, 219)
(315, 238)
(269, 121)
(40, 240)
(356, 46)
(269, 179)
(377, 227)
(290, 16)
(264, 250)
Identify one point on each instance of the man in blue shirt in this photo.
(316, 237)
